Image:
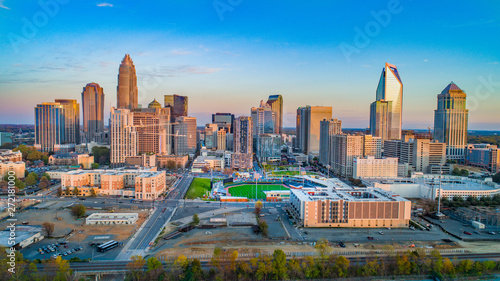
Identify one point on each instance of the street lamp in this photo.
(439, 198)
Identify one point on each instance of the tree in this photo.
(102, 154)
(464, 173)
(323, 248)
(170, 164)
(59, 191)
(43, 185)
(48, 227)
(78, 210)
(95, 166)
(196, 219)
(30, 180)
(46, 176)
(258, 208)
(67, 191)
(496, 177)
(263, 227)
(279, 265)
(76, 191)
(341, 266)
(135, 268)
(153, 264)
(403, 265)
(93, 193)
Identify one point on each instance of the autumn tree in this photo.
(279, 265)
(196, 219)
(76, 191)
(48, 227)
(78, 210)
(135, 268)
(258, 207)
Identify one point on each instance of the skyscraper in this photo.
(93, 110)
(224, 120)
(211, 136)
(263, 120)
(328, 128)
(49, 126)
(344, 149)
(185, 141)
(123, 135)
(309, 131)
(276, 103)
(451, 121)
(390, 89)
(153, 129)
(127, 91)
(178, 105)
(380, 119)
(221, 139)
(243, 142)
(71, 116)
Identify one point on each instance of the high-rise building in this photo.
(263, 120)
(49, 126)
(224, 120)
(328, 128)
(483, 155)
(389, 89)
(344, 149)
(422, 155)
(380, 119)
(153, 129)
(451, 120)
(178, 105)
(269, 148)
(221, 139)
(185, 135)
(309, 122)
(276, 103)
(243, 142)
(123, 135)
(93, 111)
(71, 116)
(371, 167)
(372, 146)
(211, 135)
(127, 91)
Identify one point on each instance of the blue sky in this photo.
(227, 55)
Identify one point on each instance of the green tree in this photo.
(30, 180)
(76, 191)
(196, 219)
(341, 266)
(323, 248)
(95, 166)
(135, 268)
(93, 193)
(78, 210)
(153, 264)
(403, 265)
(263, 227)
(59, 191)
(101, 154)
(279, 265)
(67, 191)
(34, 175)
(46, 176)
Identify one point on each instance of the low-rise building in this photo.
(277, 195)
(72, 159)
(208, 162)
(371, 167)
(180, 161)
(17, 167)
(483, 155)
(112, 219)
(25, 235)
(9, 155)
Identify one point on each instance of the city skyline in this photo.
(305, 67)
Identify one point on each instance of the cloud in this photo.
(180, 52)
(104, 4)
(202, 70)
(3, 6)
(494, 62)
(426, 60)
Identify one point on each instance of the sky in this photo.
(227, 55)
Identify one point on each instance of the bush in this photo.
(78, 211)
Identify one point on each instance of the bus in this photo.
(107, 246)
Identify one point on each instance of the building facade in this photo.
(49, 126)
(178, 105)
(327, 129)
(269, 148)
(371, 167)
(390, 88)
(185, 141)
(308, 121)
(276, 103)
(451, 120)
(243, 143)
(224, 120)
(123, 135)
(381, 119)
(344, 149)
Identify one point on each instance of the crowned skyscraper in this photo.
(127, 84)
(390, 89)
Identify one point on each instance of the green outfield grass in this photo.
(198, 188)
(248, 190)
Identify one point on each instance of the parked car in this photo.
(468, 233)
(370, 238)
(341, 244)
(491, 232)
(381, 232)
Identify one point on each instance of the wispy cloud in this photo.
(180, 52)
(202, 70)
(475, 23)
(494, 62)
(426, 60)
(104, 4)
(3, 6)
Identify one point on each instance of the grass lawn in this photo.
(248, 190)
(198, 188)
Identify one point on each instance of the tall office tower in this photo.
(178, 105)
(390, 89)
(123, 135)
(269, 148)
(276, 103)
(185, 135)
(263, 120)
(451, 120)
(49, 126)
(327, 129)
(71, 116)
(344, 149)
(310, 118)
(153, 129)
(93, 111)
(298, 136)
(380, 119)
(372, 146)
(211, 136)
(221, 139)
(243, 142)
(126, 90)
(224, 120)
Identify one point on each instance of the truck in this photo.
(477, 225)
